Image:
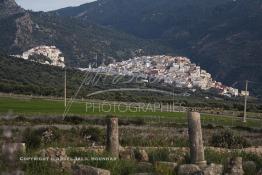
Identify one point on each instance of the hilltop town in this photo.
(172, 70)
(175, 70)
(45, 55)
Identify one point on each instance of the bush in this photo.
(94, 134)
(49, 135)
(20, 119)
(35, 137)
(32, 138)
(159, 155)
(249, 167)
(164, 169)
(74, 120)
(228, 139)
(210, 126)
(138, 122)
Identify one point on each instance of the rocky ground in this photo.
(145, 148)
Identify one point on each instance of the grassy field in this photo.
(33, 106)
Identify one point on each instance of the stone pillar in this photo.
(10, 151)
(112, 140)
(234, 166)
(195, 139)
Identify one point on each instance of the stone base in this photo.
(88, 170)
(187, 169)
(202, 164)
(213, 169)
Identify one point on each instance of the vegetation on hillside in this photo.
(223, 36)
(30, 78)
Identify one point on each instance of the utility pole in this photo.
(96, 61)
(65, 88)
(245, 107)
(173, 99)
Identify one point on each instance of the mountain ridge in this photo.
(9, 7)
(223, 36)
(80, 42)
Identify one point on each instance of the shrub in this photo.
(251, 157)
(35, 137)
(49, 135)
(228, 139)
(209, 126)
(159, 155)
(164, 169)
(20, 119)
(74, 120)
(32, 138)
(249, 167)
(94, 134)
(138, 122)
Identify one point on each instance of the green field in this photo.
(39, 107)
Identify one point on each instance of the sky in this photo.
(47, 5)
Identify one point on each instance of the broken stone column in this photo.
(234, 166)
(195, 139)
(112, 140)
(9, 153)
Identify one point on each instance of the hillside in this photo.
(79, 42)
(224, 36)
(9, 7)
(20, 76)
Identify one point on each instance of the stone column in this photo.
(195, 139)
(112, 140)
(234, 166)
(10, 152)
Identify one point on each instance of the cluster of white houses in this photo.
(178, 71)
(53, 53)
(172, 70)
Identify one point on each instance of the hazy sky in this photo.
(47, 5)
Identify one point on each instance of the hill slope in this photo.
(20, 76)
(79, 42)
(223, 36)
(9, 7)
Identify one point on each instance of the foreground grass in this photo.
(32, 107)
(222, 158)
(124, 167)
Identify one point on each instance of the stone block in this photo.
(141, 155)
(189, 169)
(13, 148)
(88, 170)
(213, 169)
(126, 154)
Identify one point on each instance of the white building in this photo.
(54, 54)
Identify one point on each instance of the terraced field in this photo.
(47, 107)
